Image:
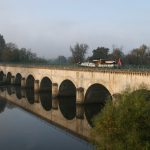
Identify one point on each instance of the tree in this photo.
(116, 54)
(100, 53)
(2, 42)
(139, 56)
(78, 52)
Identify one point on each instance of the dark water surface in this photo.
(21, 130)
(30, 121)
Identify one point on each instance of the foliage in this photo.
(100, 53)
(9, 52)
(125, 124)
(78, 52)
(116, 54)
(2, 42)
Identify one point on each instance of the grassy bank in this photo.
(124, 125)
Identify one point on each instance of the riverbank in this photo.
(125, 124)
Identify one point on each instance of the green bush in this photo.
(124, 125)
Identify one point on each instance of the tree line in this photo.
(137, 56)
(9, 52)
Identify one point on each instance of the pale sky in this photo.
(49, 27)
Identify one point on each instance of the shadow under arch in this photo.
(46, 85)
(3, 104)
(18, 79)
(97, 93)
(30, 82)
(67, 89)
(8, 78)
(1, 75)
(67, 106)
(46, 101)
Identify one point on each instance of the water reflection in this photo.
(46, 100)
(9, 90)
(62, 112)
(30, 95)
(18, 92)
(2, 105)
(67, 107)
(91, 111)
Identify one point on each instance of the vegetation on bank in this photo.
(124, 125)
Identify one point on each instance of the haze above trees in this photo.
(9, 52)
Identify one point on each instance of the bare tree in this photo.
(78, 52)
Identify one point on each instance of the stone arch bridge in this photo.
(88, 85)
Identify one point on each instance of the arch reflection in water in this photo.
(91, 110)
(46, 100)
(3, 103)
(10, 89)
(97, 93)
(30, 95)
(18, 92)
(67, 106)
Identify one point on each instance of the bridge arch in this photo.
(46, 85)
(97, 93)
(9, 75)
(67, 89)
(18, 79)
(30, 82)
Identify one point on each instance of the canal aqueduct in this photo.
(82, 83)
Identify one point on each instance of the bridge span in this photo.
(87, 85)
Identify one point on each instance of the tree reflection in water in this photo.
(67, 107)
(2, 105)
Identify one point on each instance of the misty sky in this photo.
(49, 27)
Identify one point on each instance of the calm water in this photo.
(64, 125)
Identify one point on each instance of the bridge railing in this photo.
(135, 68)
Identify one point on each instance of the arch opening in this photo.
(97, 93)
(9, 75)
(30, 82)
(46, 85)
(18, 79)
(67, 89)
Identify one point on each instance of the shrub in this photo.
(124, 125)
